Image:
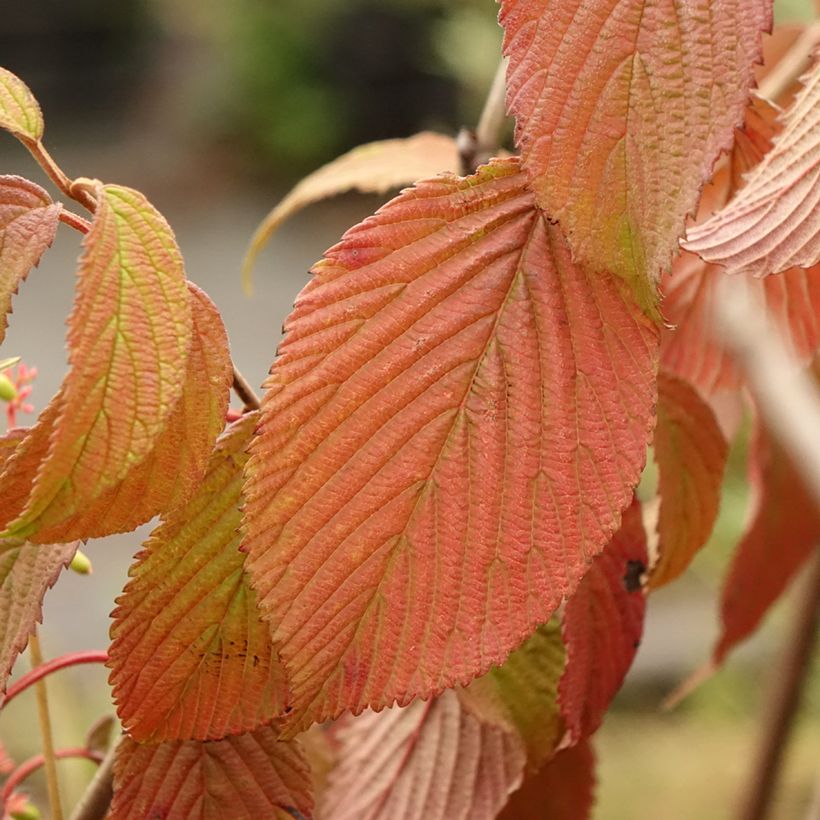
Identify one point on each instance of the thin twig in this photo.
(31, 765)
(50, 760)
(58, 176)
(75, 221)
(244, 391)
(789, 683)
(477, 147)
(96, 799)
(792, 66)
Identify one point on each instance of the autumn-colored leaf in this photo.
(773, 224)
(622, 108)
(564, 789)
(428, 761)
(375, 168)
(19, 111)
(27, 571)
(521, 694)
(244, 777)
(784, 532)
(28, 225)
(191, 657)
(129, 337)
(602, 628)
(171, 473)
(457, 415)
(691, 452)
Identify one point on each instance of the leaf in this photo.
(564, 789)
(19, 111)
(244, 777)
(622, 108)
(191, 657)
(430, 760)
(784, 532)
(773, 224)
(456, 417)
(521, 695)
(27, 572)
(602, 628)
(374, 168)
(691, 453)
(28, 225)
(129, 336)
(172, 472)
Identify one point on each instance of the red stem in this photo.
(34, 763)
(53, 665)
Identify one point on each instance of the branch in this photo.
(31, 765)
(245, 392)
(791, 67)
(477, 147)
(96, 799)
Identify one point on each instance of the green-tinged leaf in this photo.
(28, 225)
(522, 694)
(427, 761)
(564, 789)
(691, 452)
(191, 657)
(773, 224)
(171, 473)
(622, 108)
(244, 777)
(375, 168)
(19, 111)
(457, 416)
(129, 337)
(27, 571)
(602, 628)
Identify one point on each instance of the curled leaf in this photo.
(19, 111)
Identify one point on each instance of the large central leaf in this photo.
(455, 421)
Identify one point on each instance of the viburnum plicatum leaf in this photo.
(691, 452)
(428, 761)
(244, 777)
(783, 533)
(129, 337)
(564, 789)
(28, 225)
(27, 571)
(602, 627)
(19, 111)
(191, 657)
(622, 108)
(172, 471)
(457, 415)
(774, 222)
(521, 694)
(375, 168)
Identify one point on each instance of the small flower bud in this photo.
(81, 563)
(8, 392)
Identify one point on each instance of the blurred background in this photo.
(214, 110)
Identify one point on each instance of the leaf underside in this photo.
(457, 416)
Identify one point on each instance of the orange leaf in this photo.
(602, 628)
(430, 760)
(773, 224)
(191, 657)
(622, 108)
(245, 777)
(456, 418)
(27, 572)
(129, 336)
(28, 225)
(375, 168)
(784, 532)
(691, 453)
(19, 111)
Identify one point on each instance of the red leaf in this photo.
(191, 657)
(27, 571)
(245, 777)
(602, 627)
(622, 108)
(28, 225)
(429, 761)
(783, 534)
(691, 453)
(457, 415)
(564, 789)
(773, 224)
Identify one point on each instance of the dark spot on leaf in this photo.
(632, 576)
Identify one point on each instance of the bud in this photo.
(8, 392)
(81, 563)
(25, 811)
